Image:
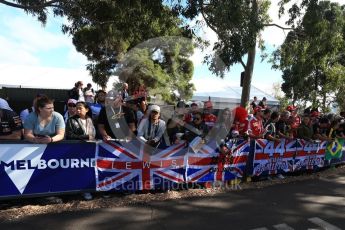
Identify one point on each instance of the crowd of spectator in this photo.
(119, 115)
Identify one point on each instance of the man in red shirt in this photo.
(188, 117)
(295, 119)
(209, 118)
(255, 128)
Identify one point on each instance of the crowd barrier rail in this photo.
(28, 169)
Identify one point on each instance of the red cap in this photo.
(208, 105)
(258, 109)
(314, 114)
(291, 108)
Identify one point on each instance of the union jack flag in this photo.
(208, 165)
(130, 167)
(309, 155)
(273, 157)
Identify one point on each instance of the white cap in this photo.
(72, 101)
(155, 108)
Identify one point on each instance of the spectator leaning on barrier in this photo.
(240, 122)
(44, 125)
(10, 123)
(282, 126)
(193, 109)
(138, 114)
(175, 129)
(255, 128)
(80, 126)
(71, 109)
(271, 133)
(152, 129)
(209, 118)
(295, 119)
(197, 128)
(333, 130)
(321, 129)
(314, 118)
(116, 121)
(304, 131)
(266, 116)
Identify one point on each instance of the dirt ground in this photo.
(16, 209)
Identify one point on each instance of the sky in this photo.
(32, 55)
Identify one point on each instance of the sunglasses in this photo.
(197, 119)
(71, 105)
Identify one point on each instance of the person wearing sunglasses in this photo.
(151, 129)
(71, 109)
(197, 128)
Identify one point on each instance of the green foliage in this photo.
(311, 57)
(278, 94)
(106, 30)
(162, 65)
(37, 8)
(237, 26)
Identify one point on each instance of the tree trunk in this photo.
(248, 73)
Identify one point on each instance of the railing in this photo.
(28, 169)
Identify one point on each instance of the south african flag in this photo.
(334, 149)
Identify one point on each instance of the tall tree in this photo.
(105, 30)
(311, 57)
(162, 65)
(40, 8)
(238, 25)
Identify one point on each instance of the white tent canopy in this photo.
(230, 97)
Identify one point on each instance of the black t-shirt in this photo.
(116, 122)
(253, 104)
(9, 122)
(282, 127)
